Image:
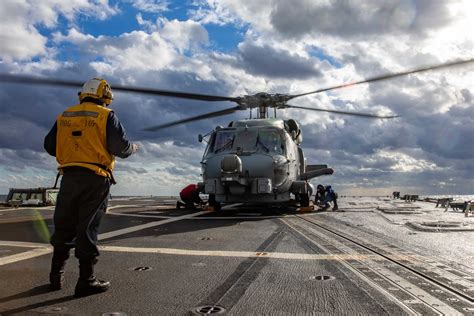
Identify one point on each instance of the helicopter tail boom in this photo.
(316, 173)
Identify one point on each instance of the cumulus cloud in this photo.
(270, 62)
(20, 19)
(153, 6)
(359, 19)
(140, 50)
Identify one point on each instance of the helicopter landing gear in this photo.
(304, 199)
(213, 203)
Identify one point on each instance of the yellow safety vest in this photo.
(82, 139)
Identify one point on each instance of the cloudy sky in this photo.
(234, 48)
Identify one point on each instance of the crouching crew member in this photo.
(85, 140)
(320, 195)
(190, 196)
(324, 195)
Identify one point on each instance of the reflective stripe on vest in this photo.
(82, 138)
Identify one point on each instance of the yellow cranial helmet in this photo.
(97, 88)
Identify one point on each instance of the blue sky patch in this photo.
(319, 53)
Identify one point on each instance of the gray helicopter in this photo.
(257, 160)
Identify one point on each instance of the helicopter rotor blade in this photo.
(368, 115)
(9, 78)
(385, 77)
(193, 119)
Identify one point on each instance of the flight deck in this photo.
(376, 255)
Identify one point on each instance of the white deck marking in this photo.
(147, 225)
(45, 249)
(150, 215)
(240, 217)
(27, 208)
(41, 249)
(22, 244)
(140, 215)
(240, 254)
(25, 255)
(131, 206)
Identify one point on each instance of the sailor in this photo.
(320, 194)
(329, 196)
(190, 196)
(85, 140)
(324, 195)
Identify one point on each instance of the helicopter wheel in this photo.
(304, 200)
(212, 202)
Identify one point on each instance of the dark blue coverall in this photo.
(330, 196)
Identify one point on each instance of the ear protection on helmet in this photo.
(97, 88)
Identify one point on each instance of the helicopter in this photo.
(255, 160)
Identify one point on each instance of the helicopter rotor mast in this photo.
(263, 101)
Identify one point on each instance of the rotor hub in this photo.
(263, 100)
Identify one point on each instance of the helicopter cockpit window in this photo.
(269, 142)
(224, 141)
(245, 140)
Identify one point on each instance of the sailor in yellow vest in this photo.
(85, 140)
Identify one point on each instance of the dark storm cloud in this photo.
(26, 159)
(133, 170)
(182, 171)
(167, 111)
(139, 111)
(28, 112)
(367, 171)
(355, 136)
(276, 63)
(448, 134)
(358, 18)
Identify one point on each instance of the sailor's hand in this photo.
(134, 148)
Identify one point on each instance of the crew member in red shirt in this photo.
(190, 196)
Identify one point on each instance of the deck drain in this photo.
(206, 310)
(140, 268)
(322, 277)
(206, 238)
(114, 314)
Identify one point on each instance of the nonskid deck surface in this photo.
(375, 256)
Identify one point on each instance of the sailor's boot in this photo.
(56, 276)
(88, 284)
